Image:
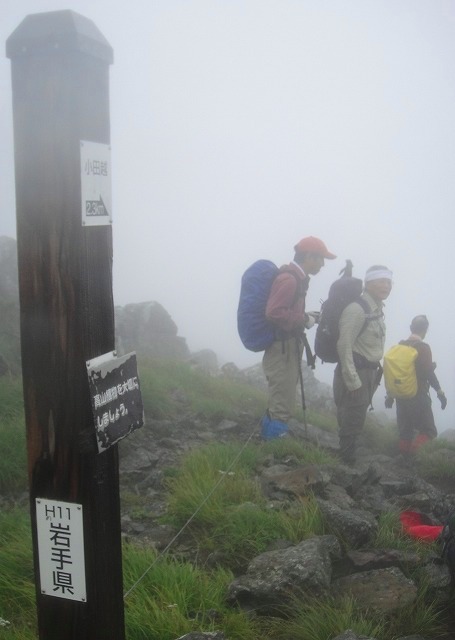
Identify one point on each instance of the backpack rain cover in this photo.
(255, 331)
(399, 371)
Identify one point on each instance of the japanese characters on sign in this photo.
(61, 549)
(116, 397)
(96, 197)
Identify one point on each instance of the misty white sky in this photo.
(240, 126)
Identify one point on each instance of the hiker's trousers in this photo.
(415, 416)
(281, 364)
(352, 406)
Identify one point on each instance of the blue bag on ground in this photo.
(255, 332)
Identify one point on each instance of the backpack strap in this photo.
(300, 290)
(369, 316)
(301, 285)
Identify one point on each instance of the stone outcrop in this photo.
(272, 578)
(148, 329)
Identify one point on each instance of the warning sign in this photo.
(96, 190)
(116, 397)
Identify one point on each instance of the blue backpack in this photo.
(255, 331)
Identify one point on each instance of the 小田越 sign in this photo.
(61, 549)
(115, 396)
(96, 187)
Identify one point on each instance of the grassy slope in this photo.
(167, 604)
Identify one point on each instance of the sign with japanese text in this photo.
(116, 397)
(96, 190)
(61, 549)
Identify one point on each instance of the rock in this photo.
(355, 527)
(382, 590)
(148, 329)
(205, 361)
(448, 434)
(357, 561)
(274, 576)
(296, 482)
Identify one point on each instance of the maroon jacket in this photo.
(286, 304)
(426, 376)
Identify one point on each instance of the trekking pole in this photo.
(302, 391)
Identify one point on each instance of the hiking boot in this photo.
(272, 429)
(419, 441)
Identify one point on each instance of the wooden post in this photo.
(60, 77)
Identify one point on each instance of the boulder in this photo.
(303, 570)
(383, 590)
(148, 329)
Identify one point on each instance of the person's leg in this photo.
(351, 410)
(281, 370)
(424, 421)
(280, 366)
(405, 424)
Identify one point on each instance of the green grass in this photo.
(434, 463)
(13, 458)
(324, 619)
(236, 516)
(168, 386)
(173, 598)
(177, 597)
(17, 591)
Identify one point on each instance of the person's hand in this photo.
(442, 399)
(315, 315)
(309, 321)
(388, 402)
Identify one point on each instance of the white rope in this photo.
(191, 518)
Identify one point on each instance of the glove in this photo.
(442, 399)
(309, 321)
(388, 402)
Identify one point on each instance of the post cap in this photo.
(57, 31)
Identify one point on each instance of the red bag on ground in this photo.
(416, 526)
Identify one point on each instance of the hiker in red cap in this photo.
(415, 418)
(286, 311)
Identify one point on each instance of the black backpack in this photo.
(343, 291)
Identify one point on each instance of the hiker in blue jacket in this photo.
(286, 312)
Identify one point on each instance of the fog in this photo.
(240, 126)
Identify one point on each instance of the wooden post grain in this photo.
(60, 77)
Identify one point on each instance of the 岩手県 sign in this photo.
(61, 549)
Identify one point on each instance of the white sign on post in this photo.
(61, 549)
(96, 189)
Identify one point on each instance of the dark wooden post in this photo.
(60, 76)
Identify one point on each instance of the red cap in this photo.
(314, 245)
